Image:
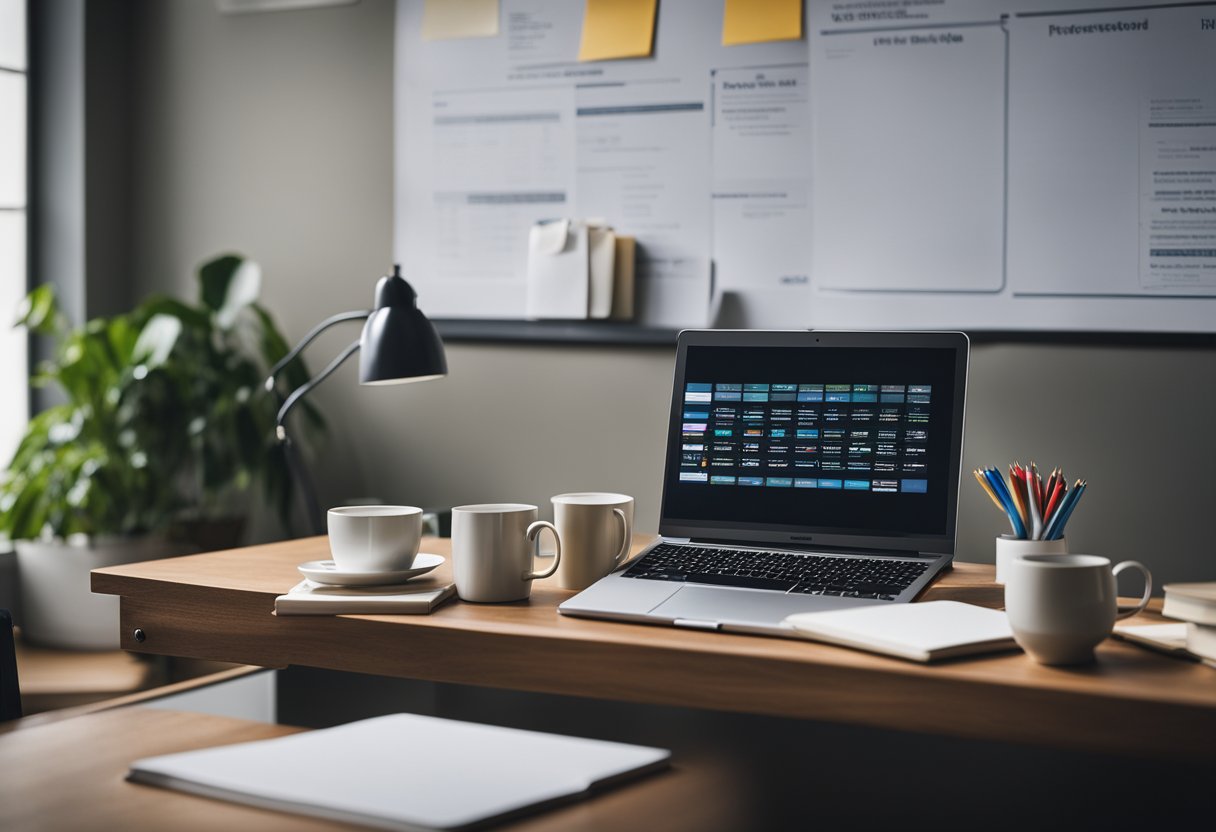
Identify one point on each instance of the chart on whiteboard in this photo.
(1005, 165)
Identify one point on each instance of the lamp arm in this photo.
(299, 470)
(357, 315)
(307, 387)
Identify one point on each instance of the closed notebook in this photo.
(920, 632)
(311, 598)
(403, 771)
(1191, 602)
(1201, 641)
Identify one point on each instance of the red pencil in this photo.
(1051, 484)
(1056, 495)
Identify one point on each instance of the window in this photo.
(14, 389)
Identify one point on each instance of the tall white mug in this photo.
(492, 545)
(596, 528)
(1061, 606)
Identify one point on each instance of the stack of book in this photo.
(1195, 603)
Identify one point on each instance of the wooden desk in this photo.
(69, 775)
(218, 606)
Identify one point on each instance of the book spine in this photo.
(1189, 609)
(1201, 640)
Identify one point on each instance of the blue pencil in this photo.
(998, 486)
(1064, 507)
(1054, 523)
(1065, 511)
(1078, 491)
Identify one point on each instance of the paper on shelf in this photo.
(601, 265)
(558, 279)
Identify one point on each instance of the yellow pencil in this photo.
(979, 477)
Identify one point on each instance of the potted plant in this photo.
(163, 426)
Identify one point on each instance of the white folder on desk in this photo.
(403, 771)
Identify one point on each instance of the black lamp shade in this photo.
(399, 344)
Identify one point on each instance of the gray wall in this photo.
(271, 135)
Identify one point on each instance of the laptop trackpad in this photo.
(731, 605)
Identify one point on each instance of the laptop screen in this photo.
(850, 439)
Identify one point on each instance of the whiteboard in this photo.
(972, 164)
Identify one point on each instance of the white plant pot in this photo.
(58, 607)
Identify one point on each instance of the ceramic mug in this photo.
(596, 528)
(1061, 606)
(374, 538)
(1009, 547)
(492, 546)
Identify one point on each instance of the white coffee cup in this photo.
(596, 528)
(492, 546)
(1009, 547)
(1061, 606)
(374, 538)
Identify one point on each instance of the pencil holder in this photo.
(1009, 547)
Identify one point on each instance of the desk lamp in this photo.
(398, 345)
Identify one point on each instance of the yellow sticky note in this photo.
(451, 19)
(757, 21)
(617, 29)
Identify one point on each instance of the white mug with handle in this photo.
(492, 545)
(1061, 606)
(597, 532)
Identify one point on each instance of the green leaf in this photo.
(122, 337)
(274, 345)
(295, 374)
(193, 318)
(243, 290)
(156, 341)
(27, 516)
(214, 277)
(229, 285)
(39, 312)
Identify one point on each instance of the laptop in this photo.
(805, 471)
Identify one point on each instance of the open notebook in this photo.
(403, 771)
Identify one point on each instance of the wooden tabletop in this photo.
(218, 606)
(70, 775)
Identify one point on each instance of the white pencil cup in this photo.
(1009, 547)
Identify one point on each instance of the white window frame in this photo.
(14, 237)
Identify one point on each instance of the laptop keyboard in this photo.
(854, 577)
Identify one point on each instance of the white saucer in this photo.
(326, 572)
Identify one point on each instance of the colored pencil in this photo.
(1036, 508)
